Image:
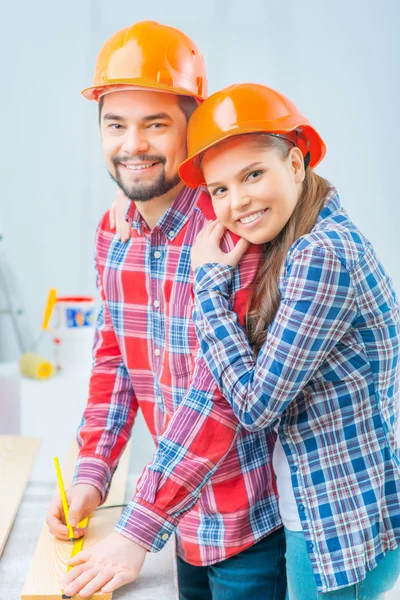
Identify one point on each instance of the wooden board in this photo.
(17, 457)
(157, 579)
(49, 562)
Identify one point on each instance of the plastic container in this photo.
(73, 334)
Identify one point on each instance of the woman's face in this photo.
(254, 191)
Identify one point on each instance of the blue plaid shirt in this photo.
(329, 372)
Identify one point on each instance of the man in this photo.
(148, 80)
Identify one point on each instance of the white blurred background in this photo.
(339, 61)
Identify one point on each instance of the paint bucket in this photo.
(73, 334)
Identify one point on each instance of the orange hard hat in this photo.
(152, 56)
(246, 108)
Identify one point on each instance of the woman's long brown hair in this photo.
(266, 297)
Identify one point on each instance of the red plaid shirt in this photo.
(209, 476)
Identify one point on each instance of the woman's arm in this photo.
(316, 309)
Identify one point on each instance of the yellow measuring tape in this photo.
(78, 543)
(76, 548)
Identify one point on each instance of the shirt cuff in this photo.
(146, 525)
(212, 276)
(94, 471)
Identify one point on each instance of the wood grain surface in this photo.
(49, 562)
(157, 580)
(17, 457)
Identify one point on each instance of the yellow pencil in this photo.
(63, 498)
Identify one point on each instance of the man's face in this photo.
(144, 141)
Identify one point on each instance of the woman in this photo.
(320, 359)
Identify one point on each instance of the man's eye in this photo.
(115, 126)
(157, 125)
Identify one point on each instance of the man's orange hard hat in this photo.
(151, 56)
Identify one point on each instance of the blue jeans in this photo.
(301, 582)
(257, 573)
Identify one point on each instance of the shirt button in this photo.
(171, 234)
(156, 303)
(310, 546)
(165, 536)
(157, 254)
(159, 399)
(295, 469)
(157, 352)
(301, 506)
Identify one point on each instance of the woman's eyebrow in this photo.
(239, 173)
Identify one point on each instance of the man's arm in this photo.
(197, 439)
(195, 443)
(106, 423)
(112, 407)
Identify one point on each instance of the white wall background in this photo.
(339, 61)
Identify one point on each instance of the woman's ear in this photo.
(297, 164)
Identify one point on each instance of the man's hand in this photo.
(206, 248)
(83, 499)
(117, 216)
(113, 562)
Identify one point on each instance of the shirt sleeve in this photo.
(111, 408)
(197, 439)
(317, 308)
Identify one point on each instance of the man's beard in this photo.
(144, 192)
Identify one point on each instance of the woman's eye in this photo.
(219, 191)
(253, 175)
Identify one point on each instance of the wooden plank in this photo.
(49, 562)
(156, 580)
(17, 457)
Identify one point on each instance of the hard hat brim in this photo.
(190, 169)
(96, 92)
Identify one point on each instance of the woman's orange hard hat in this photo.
(242, 109)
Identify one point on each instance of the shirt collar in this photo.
(173, 219)
(332, 205)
